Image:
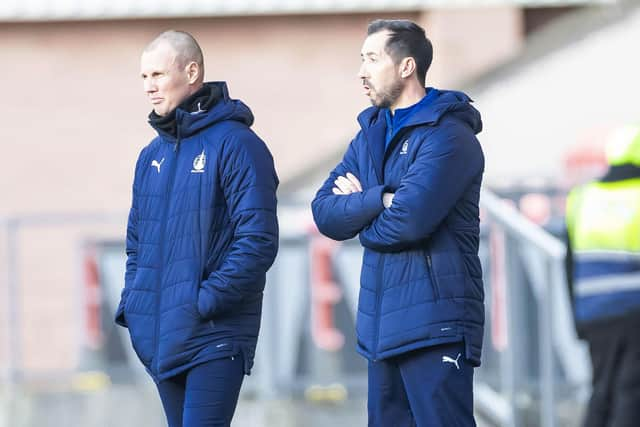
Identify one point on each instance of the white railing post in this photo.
(532, 254)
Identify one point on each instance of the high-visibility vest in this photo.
(603, 221)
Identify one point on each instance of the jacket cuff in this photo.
(372, 201)
(119, 318)
(207, 303)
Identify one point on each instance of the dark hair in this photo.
(406, 39)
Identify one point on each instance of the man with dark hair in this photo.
(201, 235)
(406, 38)
(409, 186)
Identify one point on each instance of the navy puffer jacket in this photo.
(421, 280)
(202, 234)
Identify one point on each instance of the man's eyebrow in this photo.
(368, 54)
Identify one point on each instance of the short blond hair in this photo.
(184, 44)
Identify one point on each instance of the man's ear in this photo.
(407, 67)
(193, 72)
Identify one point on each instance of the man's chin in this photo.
(160, 111)
(377, 101)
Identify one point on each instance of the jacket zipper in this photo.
(165, 212)
(376, 337)
(394, 141)
(436, 290)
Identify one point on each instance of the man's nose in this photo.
(362, 72)
(149, 86)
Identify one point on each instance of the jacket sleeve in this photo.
(131, 248)
(444, 167)
(341, 217)
(249, 182)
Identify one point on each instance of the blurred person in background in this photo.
(202, 233)
(409, 186)
(603, 225)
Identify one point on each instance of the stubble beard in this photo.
(387, 97)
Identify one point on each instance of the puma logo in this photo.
(447, 359)
(155, 163)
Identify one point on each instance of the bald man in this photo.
(201, 235)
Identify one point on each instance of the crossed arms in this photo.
(389, 221)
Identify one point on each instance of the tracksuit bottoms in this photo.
(429, 387)
(204, 396)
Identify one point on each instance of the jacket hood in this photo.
(447, 102)
(208, 106)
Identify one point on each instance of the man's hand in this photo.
(347, 185)
(387, 199)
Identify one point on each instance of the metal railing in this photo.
(11, 228)
(528, 270)
(532, 359)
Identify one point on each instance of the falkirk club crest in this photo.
(405, 147)
(198, 163)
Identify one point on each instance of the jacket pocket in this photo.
(432, 275)
(204, 303)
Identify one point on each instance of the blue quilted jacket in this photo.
(201, 235)
(421, 280)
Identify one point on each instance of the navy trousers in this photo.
(204, 396)
(430, 387)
